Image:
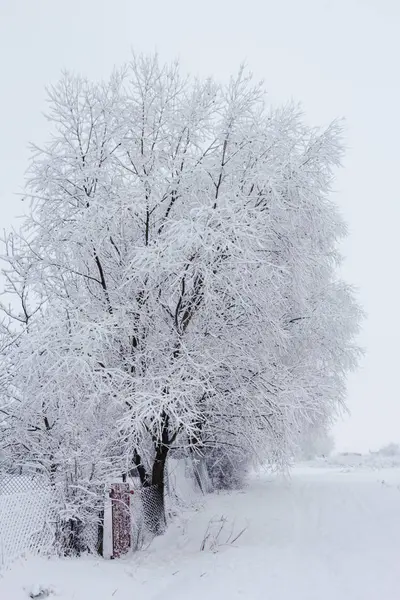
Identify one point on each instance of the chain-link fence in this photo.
(33, 517)
(28, 517)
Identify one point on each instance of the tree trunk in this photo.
(153, 495)
(100, 533)
(202, 475)
(71, 538)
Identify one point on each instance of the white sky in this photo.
(338, 57)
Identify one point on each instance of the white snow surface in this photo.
(329, 532)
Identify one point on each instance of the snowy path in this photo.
(325, 535)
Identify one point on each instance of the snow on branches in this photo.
(180, 263)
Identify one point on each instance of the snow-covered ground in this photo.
(331, 532)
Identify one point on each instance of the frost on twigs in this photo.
(174, 287)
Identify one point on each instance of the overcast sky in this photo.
(338, 57)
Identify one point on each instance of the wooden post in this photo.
(121, 518)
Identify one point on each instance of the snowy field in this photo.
(331, 532)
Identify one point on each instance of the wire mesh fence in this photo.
(34, 518)
(28, 517)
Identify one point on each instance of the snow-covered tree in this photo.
(315, 442)
(391, 449)
(179, 266)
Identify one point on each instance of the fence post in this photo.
(121, 518)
